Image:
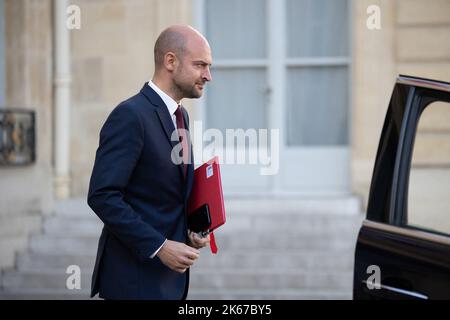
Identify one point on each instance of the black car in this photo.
(402, 254)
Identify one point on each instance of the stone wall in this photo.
(112, 57)
(423, 49)
(413, 40)
(26, 192)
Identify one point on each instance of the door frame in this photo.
(277, 64)
(2, 55)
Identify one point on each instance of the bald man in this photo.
(142, 178)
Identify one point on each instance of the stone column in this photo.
(62, 80)
(373, 77)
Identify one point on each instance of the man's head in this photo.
(182, 62)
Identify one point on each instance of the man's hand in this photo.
(196, 241)
(177, 256)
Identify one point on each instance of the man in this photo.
(139, 189)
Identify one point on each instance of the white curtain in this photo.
(317, 28)
(317, 96)
(236, 98)
(317, 106)
(236, 29)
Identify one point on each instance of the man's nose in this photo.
(207, 75)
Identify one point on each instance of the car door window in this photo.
(429, 180)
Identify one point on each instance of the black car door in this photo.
(402, 254)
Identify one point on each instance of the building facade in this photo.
(321, 72)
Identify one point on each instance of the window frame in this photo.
(424, 97)
(390, 177)
(277, 64)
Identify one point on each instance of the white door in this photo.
(281, 64)
(316, 108)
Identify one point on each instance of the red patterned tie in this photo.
(183, 138)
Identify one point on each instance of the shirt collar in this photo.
(171, 104)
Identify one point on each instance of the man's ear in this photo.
(170, 61)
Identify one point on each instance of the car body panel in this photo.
(413, 263)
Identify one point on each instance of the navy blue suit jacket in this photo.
(141, 197)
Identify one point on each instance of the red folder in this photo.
(207, 190)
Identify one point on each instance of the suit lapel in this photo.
(164, 117)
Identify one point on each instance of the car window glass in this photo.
(429, 181)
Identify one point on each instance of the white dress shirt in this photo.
(172, 106)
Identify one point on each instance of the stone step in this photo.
(67, 225)
(194, 294)
(63, 245)
(289, 240)
(299, 222)
(345, 206)
(226, 241)
(270, 280)
(206, 279)
(73, 207)
(269, 249)
(8, 245)
(45, 294)
(299, 259)
(14, 226)
(303, 259)
(73, 226)
(31, 261)
(247, 294)
(42, 279)
(252, 294)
